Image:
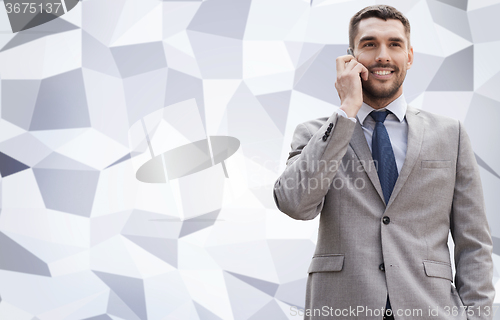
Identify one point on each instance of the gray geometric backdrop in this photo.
(90, 97)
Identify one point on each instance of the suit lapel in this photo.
(360, 147)
(415, 137)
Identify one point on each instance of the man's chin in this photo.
(379, 94)
(380, 91)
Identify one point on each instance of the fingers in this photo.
(362, 70)
(347, 63)
(341, 61)
(351, 65)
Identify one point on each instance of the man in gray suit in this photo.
(390, 182)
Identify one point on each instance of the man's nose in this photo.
(383, 55)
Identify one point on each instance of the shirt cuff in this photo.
(343, 114)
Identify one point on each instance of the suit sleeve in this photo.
(311, 167)
(471, 235)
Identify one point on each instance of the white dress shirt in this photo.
(395, 123)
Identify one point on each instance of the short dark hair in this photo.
(377, 11)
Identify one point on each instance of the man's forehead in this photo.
(379, 28)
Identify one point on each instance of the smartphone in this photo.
(349, 51)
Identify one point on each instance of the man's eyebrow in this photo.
(367, 38)
(396, 39)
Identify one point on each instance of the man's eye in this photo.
(396, 44)
(368, 45)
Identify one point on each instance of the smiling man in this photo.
(390, 182)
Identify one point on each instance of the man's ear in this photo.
(410, 57)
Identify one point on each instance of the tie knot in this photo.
(379, 116)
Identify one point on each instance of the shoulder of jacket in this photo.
(435, 120)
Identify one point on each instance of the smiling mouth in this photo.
(382, 73)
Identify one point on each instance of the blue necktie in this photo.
(383, 155)
(386, 162)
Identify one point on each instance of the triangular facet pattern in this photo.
(206, 95)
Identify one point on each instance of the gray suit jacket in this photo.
(366, 249)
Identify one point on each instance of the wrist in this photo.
(350, 110)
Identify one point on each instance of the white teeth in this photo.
(382, 73)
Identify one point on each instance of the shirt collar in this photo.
(397, 107)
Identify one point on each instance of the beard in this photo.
(374, 93)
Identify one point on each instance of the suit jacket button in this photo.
(386, 220)
(381, 267)
(324, 138)
(330, 125)
(329, 129)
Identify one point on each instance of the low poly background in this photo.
(88, 98)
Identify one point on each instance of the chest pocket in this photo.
(436, 164)
(326, 263)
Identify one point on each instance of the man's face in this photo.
(382, 47)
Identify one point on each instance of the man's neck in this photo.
(379, 103)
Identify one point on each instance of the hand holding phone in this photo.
(348, 84)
